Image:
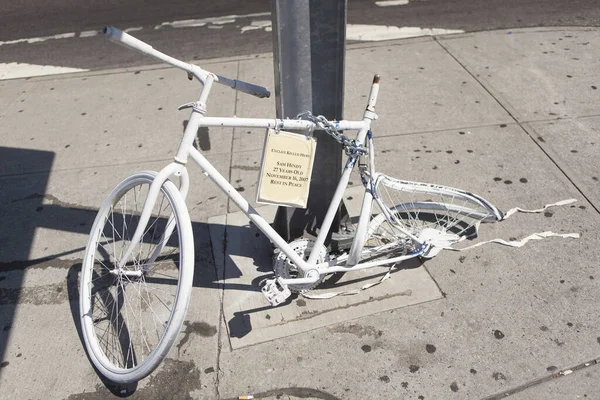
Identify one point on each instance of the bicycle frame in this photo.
(409, 209)
(311, 270)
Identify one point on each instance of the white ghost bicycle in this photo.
(137, 271)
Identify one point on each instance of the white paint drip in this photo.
(257, 25)
(372, 33)
(389, 3)
(22, 70)
(192, 23)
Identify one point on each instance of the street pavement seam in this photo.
(87, 167)
(561, 168)
(564, 169)
(546, 378)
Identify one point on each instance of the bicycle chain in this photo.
(351, 147)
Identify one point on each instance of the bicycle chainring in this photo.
(285, 268)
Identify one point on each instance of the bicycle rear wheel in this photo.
(413, 213)
(130, 317)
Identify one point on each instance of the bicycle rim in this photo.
(412, 212)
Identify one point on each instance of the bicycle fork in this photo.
(177, 168)
(170, 170)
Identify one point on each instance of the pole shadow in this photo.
(14, 162)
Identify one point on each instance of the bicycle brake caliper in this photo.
(275, 291)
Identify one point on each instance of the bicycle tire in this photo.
(120, 343)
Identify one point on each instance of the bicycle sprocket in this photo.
(285, 268)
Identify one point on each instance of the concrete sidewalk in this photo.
(510, 115)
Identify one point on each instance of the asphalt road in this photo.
(244, 34)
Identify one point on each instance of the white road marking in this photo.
(369, 33)
(191, 23)
(88, 33)
(256, 25)
(389, 3)
(373, 33)
(228, 19)
(353, 31)
(22, 70)
(39, 39)
(224, 21)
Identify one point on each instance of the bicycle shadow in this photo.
(204, 277)
(30, 214)
(14, 162)
(32, 207)
(240, 324)
(72, 282)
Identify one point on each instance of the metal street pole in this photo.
(309, 47)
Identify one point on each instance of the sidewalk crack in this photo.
(531, 137)
(544, 379)
(235, 109)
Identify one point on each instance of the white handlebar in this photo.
(126, 40)
(245, 87)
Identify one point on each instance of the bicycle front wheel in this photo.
(131, 316)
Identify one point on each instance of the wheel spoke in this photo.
(414, 208)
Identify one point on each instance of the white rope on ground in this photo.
(355, 291)
(539, 210)
(520, 243)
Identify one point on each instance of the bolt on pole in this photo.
(309, 38)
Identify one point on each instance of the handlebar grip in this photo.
(245, 87)
(254, 90)
(125, 39)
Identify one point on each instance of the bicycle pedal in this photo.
(275, 291)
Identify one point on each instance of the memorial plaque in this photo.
(286, 169)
